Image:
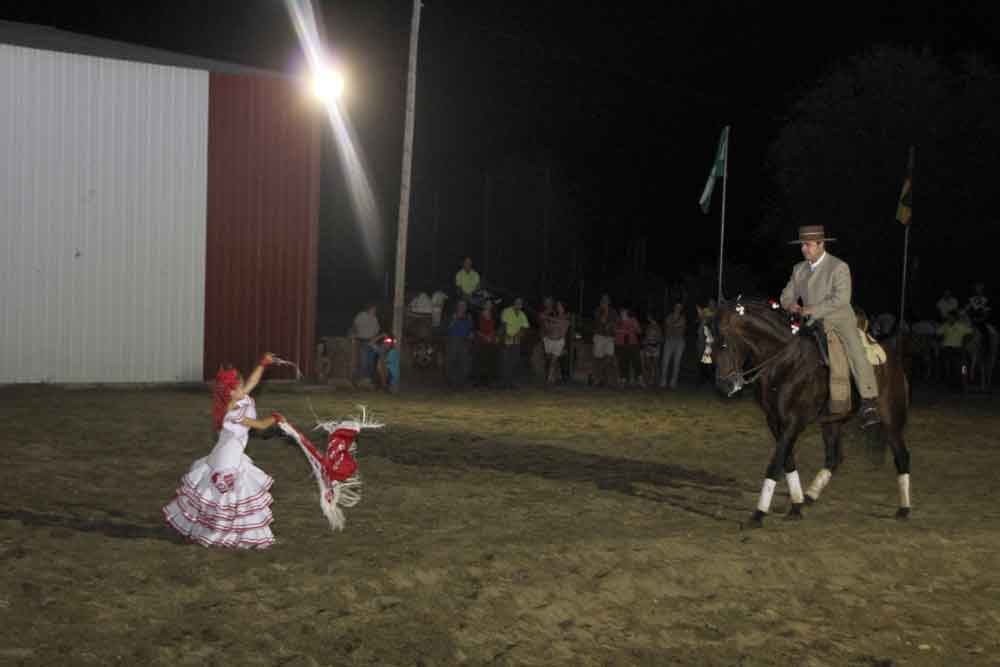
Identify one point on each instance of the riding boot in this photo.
(869, 413)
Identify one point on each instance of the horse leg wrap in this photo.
(794, 487)
(904, 490)
(766, 494)
(819, 483)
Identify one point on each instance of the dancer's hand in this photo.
(266, 360)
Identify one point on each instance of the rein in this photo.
(745, 378)
(741, 378)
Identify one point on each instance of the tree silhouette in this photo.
(840, 160)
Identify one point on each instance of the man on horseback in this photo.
(823, 284)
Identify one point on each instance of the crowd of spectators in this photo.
(489, 342)
(959, 333)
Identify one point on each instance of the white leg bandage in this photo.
(766, 493)
(904, 490)
(819, 483)
(794, 486)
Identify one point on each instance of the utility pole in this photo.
(404, 190)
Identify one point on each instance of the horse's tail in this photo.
(895, 376)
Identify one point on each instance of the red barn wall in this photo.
(262, 222)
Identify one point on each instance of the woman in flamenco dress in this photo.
(224, 499)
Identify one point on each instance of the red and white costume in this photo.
(224, 499)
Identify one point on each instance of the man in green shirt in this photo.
(466, 280)
(955, 334)
(515, 323)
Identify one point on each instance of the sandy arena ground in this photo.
(574, 526)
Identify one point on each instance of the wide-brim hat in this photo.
(811, 233)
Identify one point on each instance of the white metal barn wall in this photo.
(103, 169)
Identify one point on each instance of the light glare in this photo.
(328, 85)
(362, 196)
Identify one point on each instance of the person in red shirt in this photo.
(486, 346)
(627, 349)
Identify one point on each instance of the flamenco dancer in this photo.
(224, 499)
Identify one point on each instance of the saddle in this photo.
(818, 333)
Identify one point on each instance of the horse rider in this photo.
(823, 283)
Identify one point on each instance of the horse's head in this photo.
(741, 331)
(729, 348)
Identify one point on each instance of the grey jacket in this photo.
(827, 290)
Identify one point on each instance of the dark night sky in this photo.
(624, 104)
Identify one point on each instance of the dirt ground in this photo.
(573, 526)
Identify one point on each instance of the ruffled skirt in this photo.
(230, 509)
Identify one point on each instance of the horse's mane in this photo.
(773, 320)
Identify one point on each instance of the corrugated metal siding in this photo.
(103, 207)
(263, 211)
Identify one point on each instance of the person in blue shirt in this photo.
(392, 365)
(458, 357)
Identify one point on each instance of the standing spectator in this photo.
(605, 328)
(459, 338)
(652, 339)
(515, 323)
(627, 349)
(547, 309)
(978, 310)
(884, 326)
(564, 358)
(555, 324)
(955, 334)
(674, 331)
(466, 280)
(366, 331)
(946, 304)
(392, 365)
(706, 364)
(486, 346)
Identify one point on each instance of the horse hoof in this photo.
(903, 513)
(795, 512)
(756, 519)
(809, 500)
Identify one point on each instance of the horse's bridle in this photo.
(739, 376)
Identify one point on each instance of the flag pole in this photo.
(722, 225)
(902, 297)
(906, 244)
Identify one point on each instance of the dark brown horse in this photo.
(794, 391)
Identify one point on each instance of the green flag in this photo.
(718, 169)
(904, 210)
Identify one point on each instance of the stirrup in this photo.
(869, 416)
